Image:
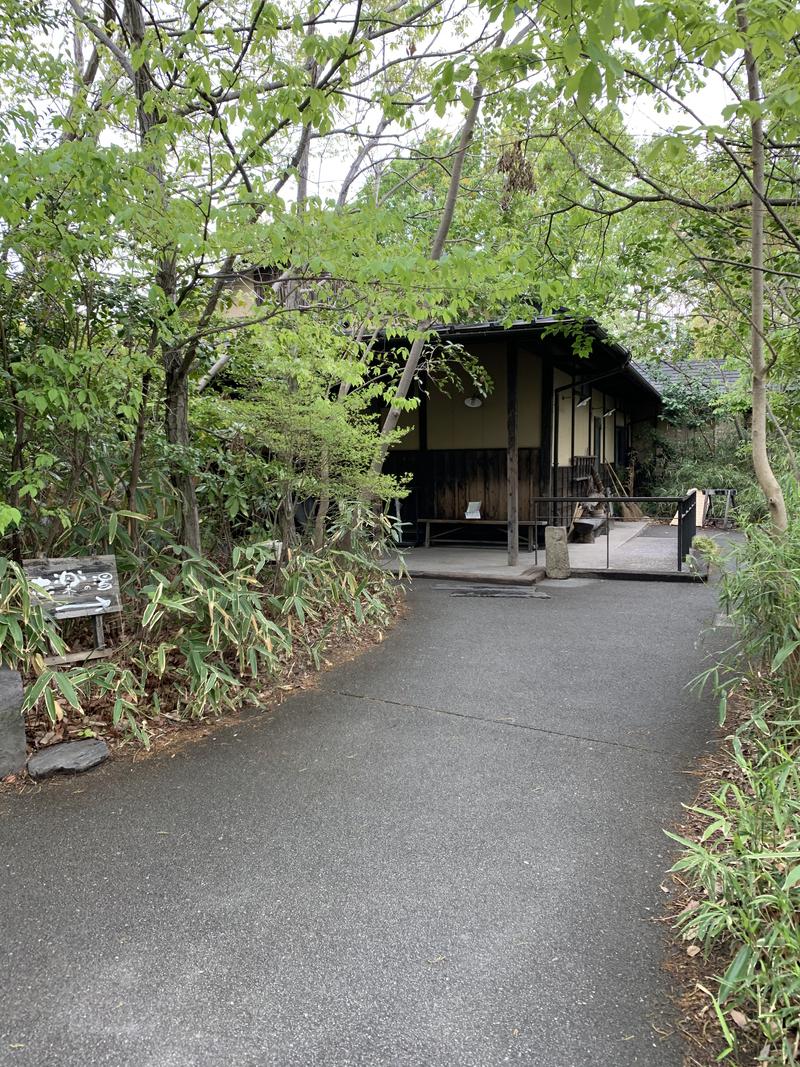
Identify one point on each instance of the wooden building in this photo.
(550, 417)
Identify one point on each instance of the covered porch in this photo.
(561, 410)
(642, 549)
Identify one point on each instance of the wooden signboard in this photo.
(72, 588)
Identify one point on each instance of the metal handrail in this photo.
(580, 497)
(686, 507)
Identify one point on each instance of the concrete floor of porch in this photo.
(632, 549)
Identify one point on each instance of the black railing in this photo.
(686, 508)
(687, 525)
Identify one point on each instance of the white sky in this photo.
(329, 164)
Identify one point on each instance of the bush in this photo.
(762, 594)
(204, 641)
(745, 867)
(710, 473)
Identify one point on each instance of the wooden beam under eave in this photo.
(512, 455)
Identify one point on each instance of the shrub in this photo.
(745, 867)
(205, 640)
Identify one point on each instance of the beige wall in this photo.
(243, 298)
(608, 426)
(451, 424)
(564, 401)
(582, 428)
(584, 423)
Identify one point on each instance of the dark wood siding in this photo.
(444, 480)
(571, 481)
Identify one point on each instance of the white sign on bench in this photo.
(473, 509)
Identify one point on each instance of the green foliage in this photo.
(183, 336)
(688, 402)
(707, 549)
(714, 458)
(746, 871)
(147, 240)
(209, 640)
(27, 634)
(745, 868)
(763, 595)
(207, 631)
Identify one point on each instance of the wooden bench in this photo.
(587, 527)
(456, 524)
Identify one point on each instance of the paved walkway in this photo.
(449, 855)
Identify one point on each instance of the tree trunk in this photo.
(176, 426)
(412, 361)
(176, 367)
(138, 445)
(770, 485)
(323, 507)
(17, 453)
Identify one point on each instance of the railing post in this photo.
(687, 526)
(681, 532)
(536, 532)
(608, 539)
(680, 535)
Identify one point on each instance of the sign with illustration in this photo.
(70, 588)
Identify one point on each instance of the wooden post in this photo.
(422, 414)
(548, 399)
(512, 457)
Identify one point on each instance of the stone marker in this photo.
(67, 757)
(12, 725)
(556, 552)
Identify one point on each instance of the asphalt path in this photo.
(448, 854)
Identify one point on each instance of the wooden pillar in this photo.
(590, 431)
(512, 456)
(422, 495)
(422, 414)
(546, 450)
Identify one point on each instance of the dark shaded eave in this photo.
(609, 361)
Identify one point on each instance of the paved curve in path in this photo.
(449, 855)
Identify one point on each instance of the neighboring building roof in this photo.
(709, 372)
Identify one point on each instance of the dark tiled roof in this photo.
(709, 372)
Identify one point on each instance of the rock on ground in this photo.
(12, 727)
(68, 757)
